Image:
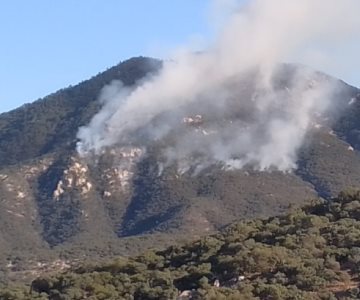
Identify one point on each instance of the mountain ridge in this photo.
(79, 96)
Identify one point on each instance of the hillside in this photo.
(57, 205)
(310, 253)
(51, 123)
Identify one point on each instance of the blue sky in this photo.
(47, 45)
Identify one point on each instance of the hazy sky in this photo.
(48, 45)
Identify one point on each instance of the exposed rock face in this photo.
(124, 162)
(74, 177)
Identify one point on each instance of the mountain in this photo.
(311, 253)
(56, 204)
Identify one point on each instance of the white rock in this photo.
(86, 188)
(21, 195)
(185, 295)
(107, 194)
(80, 181)
(15, 214)
(59, 190)
(10, 187)
(70, 181)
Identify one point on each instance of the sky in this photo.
(48, 45)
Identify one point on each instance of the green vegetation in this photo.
(310, 253)
(52, 123)
(37, 147)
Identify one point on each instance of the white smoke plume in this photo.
(234, 104)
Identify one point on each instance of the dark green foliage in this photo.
(52, 123)
(311, 253)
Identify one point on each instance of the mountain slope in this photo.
(55, 203)
(52, 123)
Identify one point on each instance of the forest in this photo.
(312, 252)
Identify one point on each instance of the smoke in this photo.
(234, 104)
